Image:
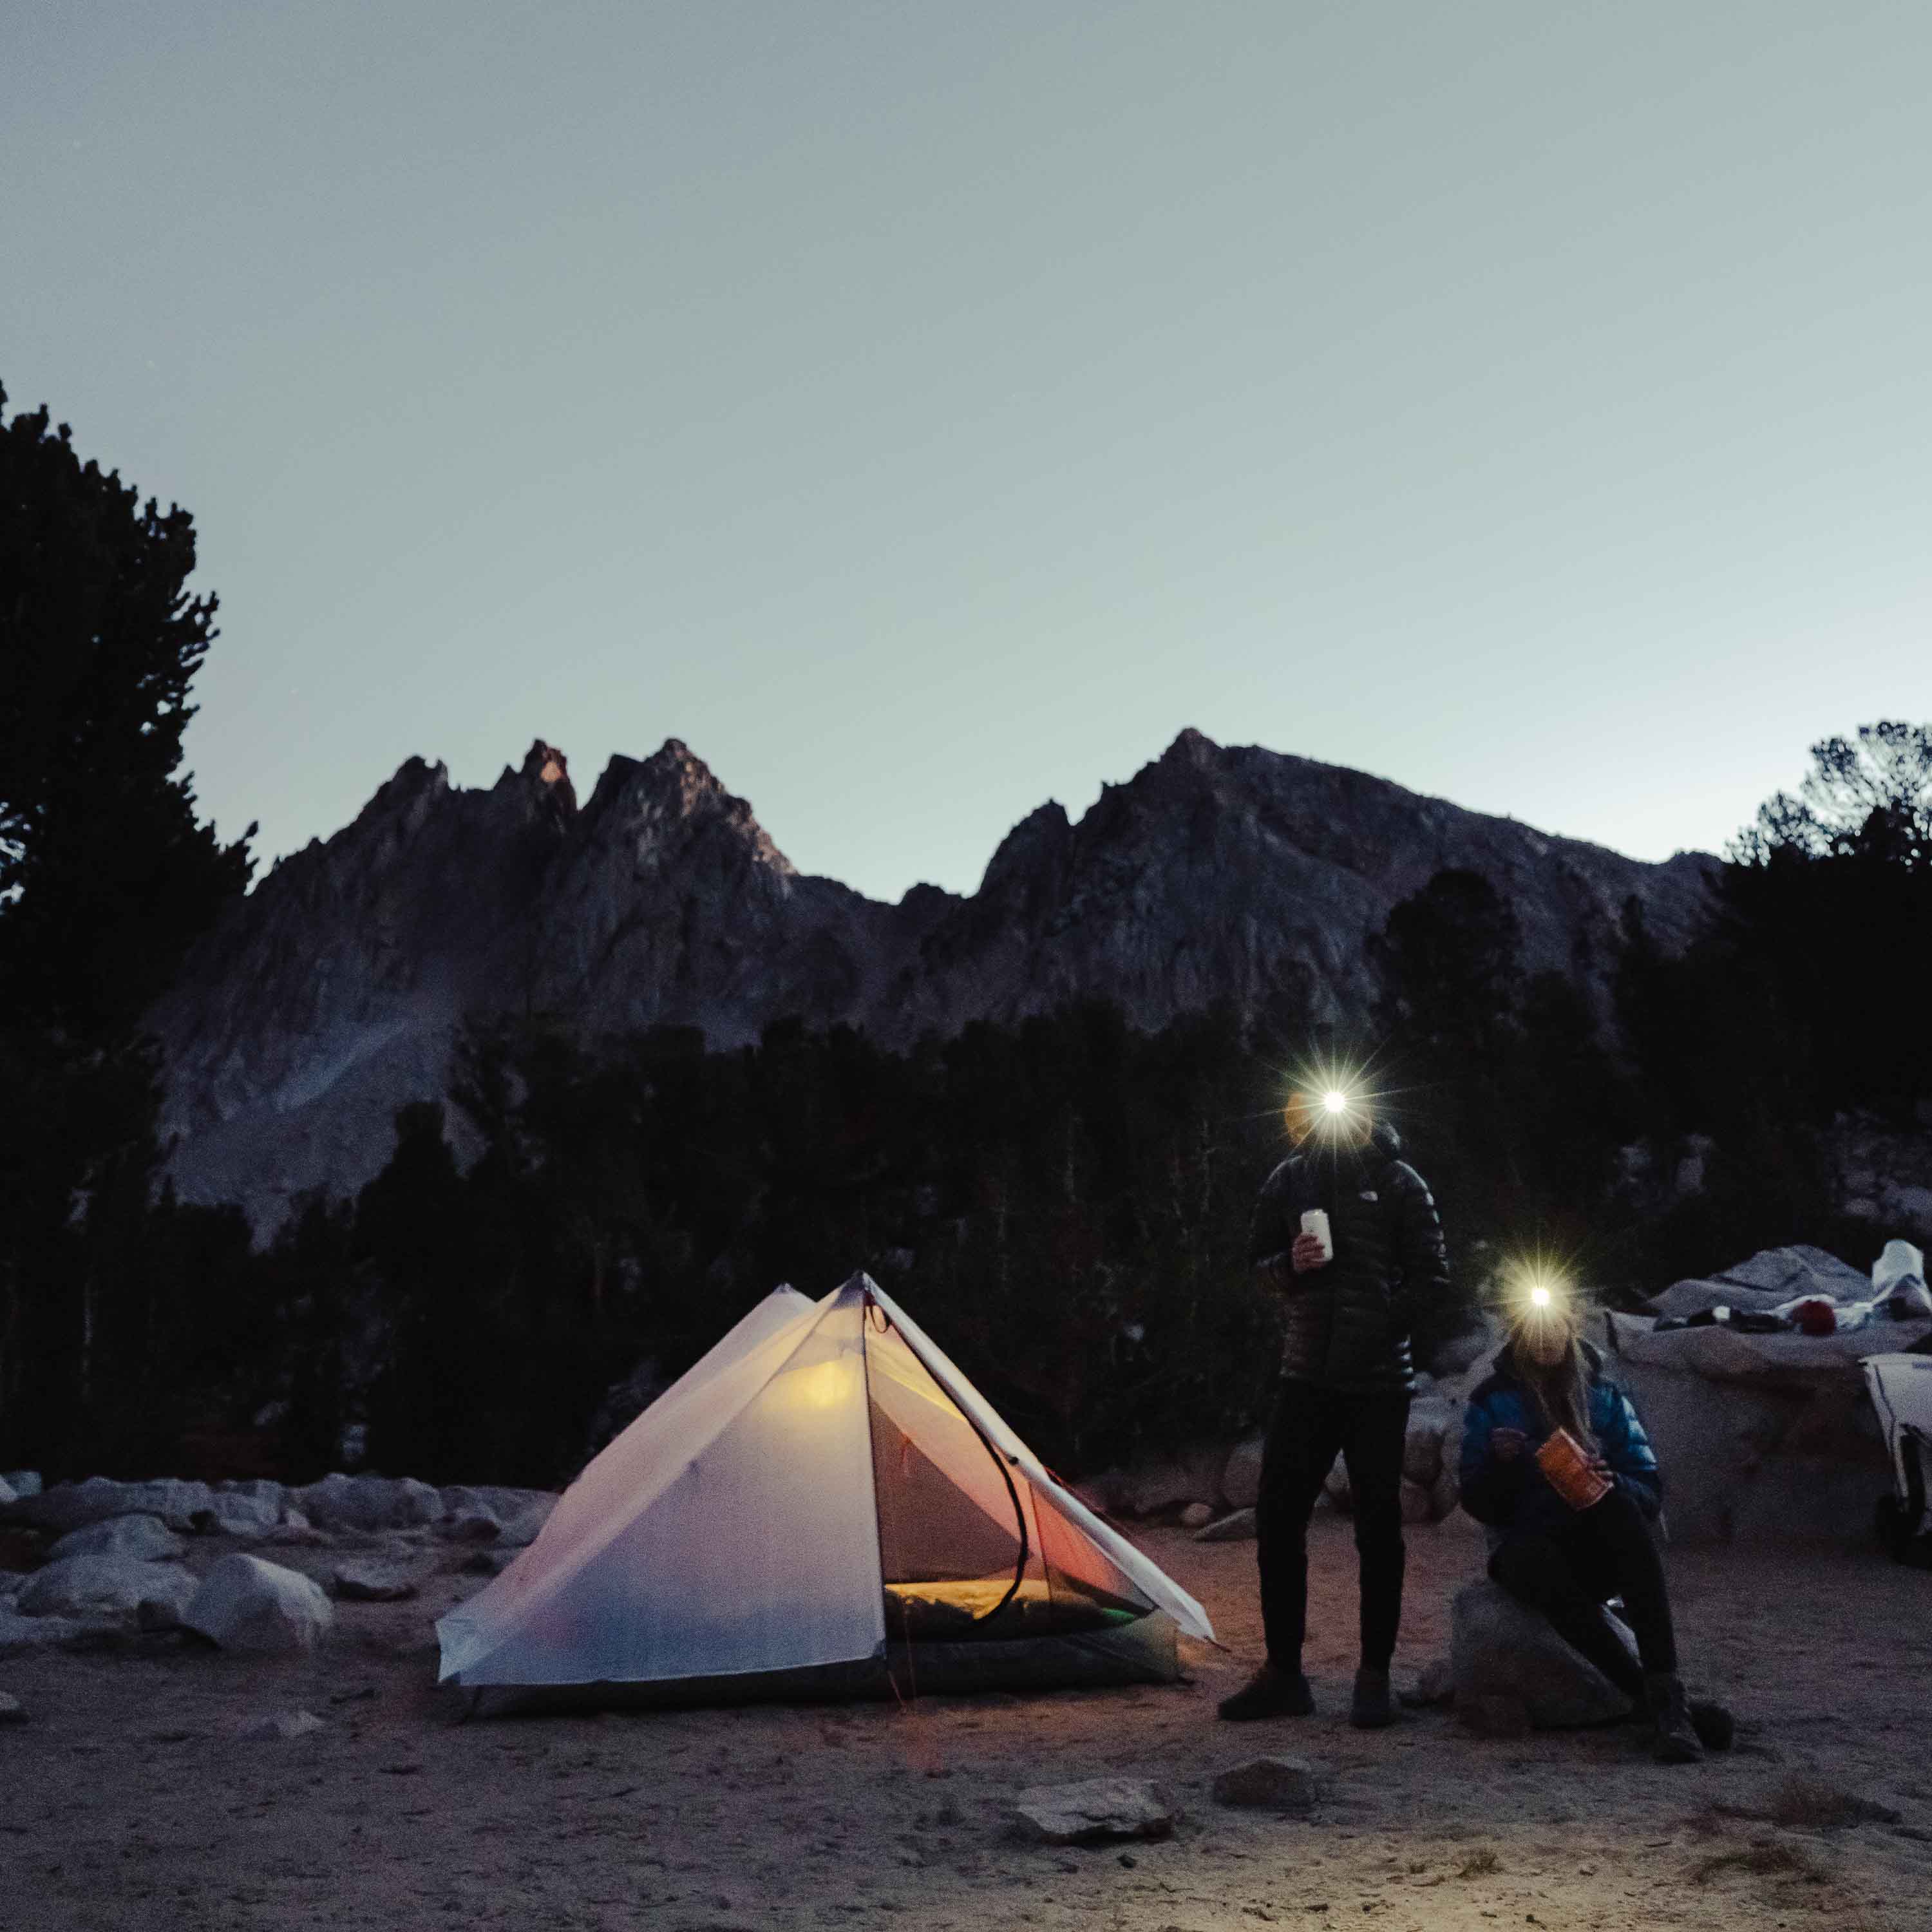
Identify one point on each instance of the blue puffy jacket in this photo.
(1517, 1495)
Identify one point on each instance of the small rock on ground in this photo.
(362, 1583)
(279, 1724)
(1271, 1784)
(1094, 1809)
(1197, 1516)
(1238, 1526)
(12, 1711)
(1436, 1685)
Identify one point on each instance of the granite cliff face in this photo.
(328, 997)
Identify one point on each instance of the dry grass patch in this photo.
(1809, 1804)
(1763, 1861)
(1480, 1864)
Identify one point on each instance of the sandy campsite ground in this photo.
(127, 1799)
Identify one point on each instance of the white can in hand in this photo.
(1314, 1221)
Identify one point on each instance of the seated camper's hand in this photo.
(1307, 1255)
(1598, 1467)
(1507, 1444)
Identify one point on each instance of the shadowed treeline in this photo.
(1063, 1203)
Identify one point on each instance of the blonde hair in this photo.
(1561, 1391)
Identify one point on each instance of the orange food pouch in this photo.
(1562, 1460)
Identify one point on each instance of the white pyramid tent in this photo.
(823, 1502)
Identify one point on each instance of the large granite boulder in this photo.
(144, 1539)
(94, 1587)
(1502, 1654)
(369, 1503)
(69, 1506)
(249, 1511)
(19, 1635)
(1194, 1476)
(517, 1514)
(247, 1519)
(246, 1604)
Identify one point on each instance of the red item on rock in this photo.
(1815, 1317)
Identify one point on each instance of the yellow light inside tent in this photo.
(1539, 1296)
(821, 1384)
(1335, 1101)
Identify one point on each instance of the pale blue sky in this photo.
(925, 410)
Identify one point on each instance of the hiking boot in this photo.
(1271, 1692)
(1673, 1740)
(1714, 1724)
(1372, 1707)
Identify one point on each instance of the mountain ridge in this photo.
(331, 993)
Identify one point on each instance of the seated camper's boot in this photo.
(1372, 1707)
(1714, 1724)
(1271, 1692)
(1672, 1740)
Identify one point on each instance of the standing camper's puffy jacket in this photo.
(1346, 1326)
(1517, 1494)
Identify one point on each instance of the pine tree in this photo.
(106, 877)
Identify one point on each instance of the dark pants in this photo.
(1568, 1572)
(1309, 1426)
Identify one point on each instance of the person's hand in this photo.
(1598, 1467)
(1507, 1444)
(1307, 1255)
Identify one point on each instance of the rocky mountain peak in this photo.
(332, 993)
(546, 767)
(1038, 844)
(670, 802)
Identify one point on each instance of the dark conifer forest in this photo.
(1063, 1204)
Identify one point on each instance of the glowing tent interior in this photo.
(823, 1505)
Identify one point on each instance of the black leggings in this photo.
(1309, 1426)
(1568, 1571)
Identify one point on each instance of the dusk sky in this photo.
(926, 410)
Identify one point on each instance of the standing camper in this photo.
(1346, 1233)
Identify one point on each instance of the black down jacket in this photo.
(1346, 1326)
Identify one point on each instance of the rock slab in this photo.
(19, 1634)
(248, 1605)
(368, 1503)
(70, 1506)
(1499, 1649)
(365, 1583)
(1094, 1809)
(145, 1539)
(1290, 1784)
(85, 1586)
(1236, 1527)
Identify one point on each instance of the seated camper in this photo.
(1556, 1462)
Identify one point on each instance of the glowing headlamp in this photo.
(1329, 1100)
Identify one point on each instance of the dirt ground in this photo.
(128, 1800)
